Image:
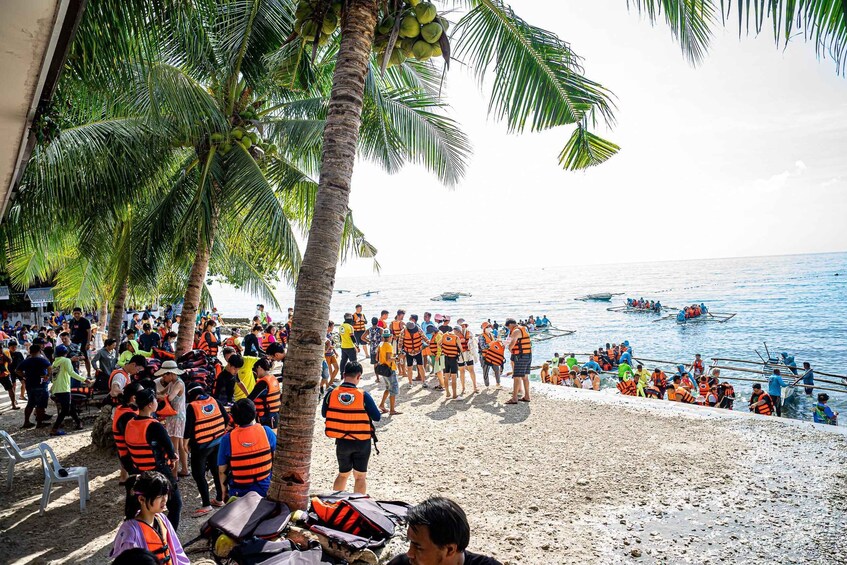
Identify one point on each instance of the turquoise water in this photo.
(794, 303)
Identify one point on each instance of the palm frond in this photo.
(585, 149)
(690, 22)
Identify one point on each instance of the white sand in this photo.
(572, 477)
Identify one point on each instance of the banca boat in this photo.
(449, 296)
(599, 297)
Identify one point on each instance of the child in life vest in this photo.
(145, 524)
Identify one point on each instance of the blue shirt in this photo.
(775, 385)
(224, 455)
(592, 364)
(822, 414)
(625, 358)
(370, 406)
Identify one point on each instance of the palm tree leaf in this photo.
(585, 149)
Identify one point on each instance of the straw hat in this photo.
(169, 367)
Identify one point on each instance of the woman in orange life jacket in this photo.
(468, 357)
(122, 414)
(205, 424)
(209, 342)
(145, 525)
(545, 373)
(681, 394)
(150, 449)
(266, 394)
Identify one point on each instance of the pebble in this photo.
(635, 552)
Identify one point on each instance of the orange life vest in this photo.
(266, 341)
(208, 344)
(119, 434)
(396, 328)
(495, 355)
(115, 372)
(230, 342)
(627, 388)
(155, 538)
(268, 403)
(433, 344)
(704, 389)
(684, 395)
(140, 450)
(209, 422)
(698, 365)
(162, 354)
(659, 379)
(412, 342)
(251, 458)
(358, 322)
(463, 340)
(450, 345)
(766, 409)
(522, 345)
(346, 416)
(545, 376)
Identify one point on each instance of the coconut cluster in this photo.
(420, 34)
(245, 134)
(317, 20)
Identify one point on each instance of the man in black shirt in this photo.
(35, 372)
(80, 329)
(438, 534)
(149, 339)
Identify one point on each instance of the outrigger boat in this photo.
(634, 310)
(542, 334)
(449, 296)
(368, 293)
(707, 317)
(339, 291)
(599, 297)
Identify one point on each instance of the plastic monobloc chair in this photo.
(52, 475)
(16, 455)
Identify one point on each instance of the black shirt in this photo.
(251, 347)
(470, 559)
(79, 330)
(148, 341)
(34, 369)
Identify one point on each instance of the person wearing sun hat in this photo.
(169, 386)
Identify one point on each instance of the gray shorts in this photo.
(391, 384)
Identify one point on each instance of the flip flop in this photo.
(384, 410)
(201, 512)
(523, 399)
(217, 503)
(511, 402)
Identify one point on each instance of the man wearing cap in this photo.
(171, 390)
(467, 357)
(205, 424)
(349, 347)
(385, 357)
(520, 346)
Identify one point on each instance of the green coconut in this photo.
(425, 12)
(386, 25)
(217, 137)
(410, 27)
(330, 23)
(254, 137)
(336, 8)
(422, 50)
(310, 30)
(431, 32)
(413, 3)
(397, 58)
(224, 148)
(238, 133)
(303, 11)
(444, 23)
(406, 47)
(246, 142)
(380, 43)
(436, 50)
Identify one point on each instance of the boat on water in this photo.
(543, 333)
(599, 297)
(368, 293)
(339, 291)
(697, 313)
(449, 296)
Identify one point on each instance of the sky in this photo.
(741, 156)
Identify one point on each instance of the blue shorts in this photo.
(391, 384)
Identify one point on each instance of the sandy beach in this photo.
(572, 477)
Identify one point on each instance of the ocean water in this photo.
(792, 303)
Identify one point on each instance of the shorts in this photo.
(522, 364)
(412, 360)
(83, 350)
(6, 382)
(392, 385)
(357, 337)
(438, 363)
(466, 359)
(325, 371)
(352, 455)
(451, 365)
(38, 397)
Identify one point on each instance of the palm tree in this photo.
(537, 83)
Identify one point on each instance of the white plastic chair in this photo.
(51, 475)
(15, 455)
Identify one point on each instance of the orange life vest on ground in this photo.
(156, 539)
(495, 355)
(209, 422)
(450, 345)
(359, 322)
(230, 342)
(140, 450)
(412, 342)
(346, 416)
(208, 344)
(251, 458)
(522, 345)
(118, 434)
(269, 403)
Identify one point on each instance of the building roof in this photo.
(40, 296)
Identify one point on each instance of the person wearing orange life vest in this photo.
(520, 346)
(266, 395)
(145, 525)
(659, 381)
(726, 393)
(396, 326)
(435, 356)
(122, 376)
(209, 342)
(360, 329)
(150, 449)
(760, 402)
(234, 340)
(121, 415)
(627, 386)
(697, 367)
(493, 354)
(350, 414)
(451, 349)
(245, 455)
(205, 424)
(468, 356)
(412, 341)
(680, 393)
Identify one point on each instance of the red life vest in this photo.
(251, 458)
(118, 430)
(268, 403)
(209, 422)
(156, 539)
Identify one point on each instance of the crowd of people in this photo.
(641, 304)
(693, 311)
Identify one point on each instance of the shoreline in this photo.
(572, 476)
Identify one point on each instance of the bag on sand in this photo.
(358, 514)
(241, 517)
(349, 542)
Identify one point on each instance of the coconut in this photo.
(386, 25)
(246, 142)
(310, 30)
(410, 27)
(224, 148)
(304, 11)
(254, 137)
(444, 23)
(330, 23)
(422, 50)
(406, 47)
(397, 58)
(413, 3)
(224, 545)
(436, 50)
(431, 32)
(336, 8)
(425, 12)
(238, 133)
(217, 137)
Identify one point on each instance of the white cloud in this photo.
(779, 181)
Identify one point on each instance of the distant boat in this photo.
(599, 297)
(368, 293)
(449, 296)
(339, 291)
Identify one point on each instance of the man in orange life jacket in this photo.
(150, 449)
(521, 349)
(122, 376)
(350, 413)
(360, 329)
(245, 455)
(205, 424)
(266, 394)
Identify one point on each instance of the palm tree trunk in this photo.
(117, 317)
(102, 316)
(290, 479)
(196, 279)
